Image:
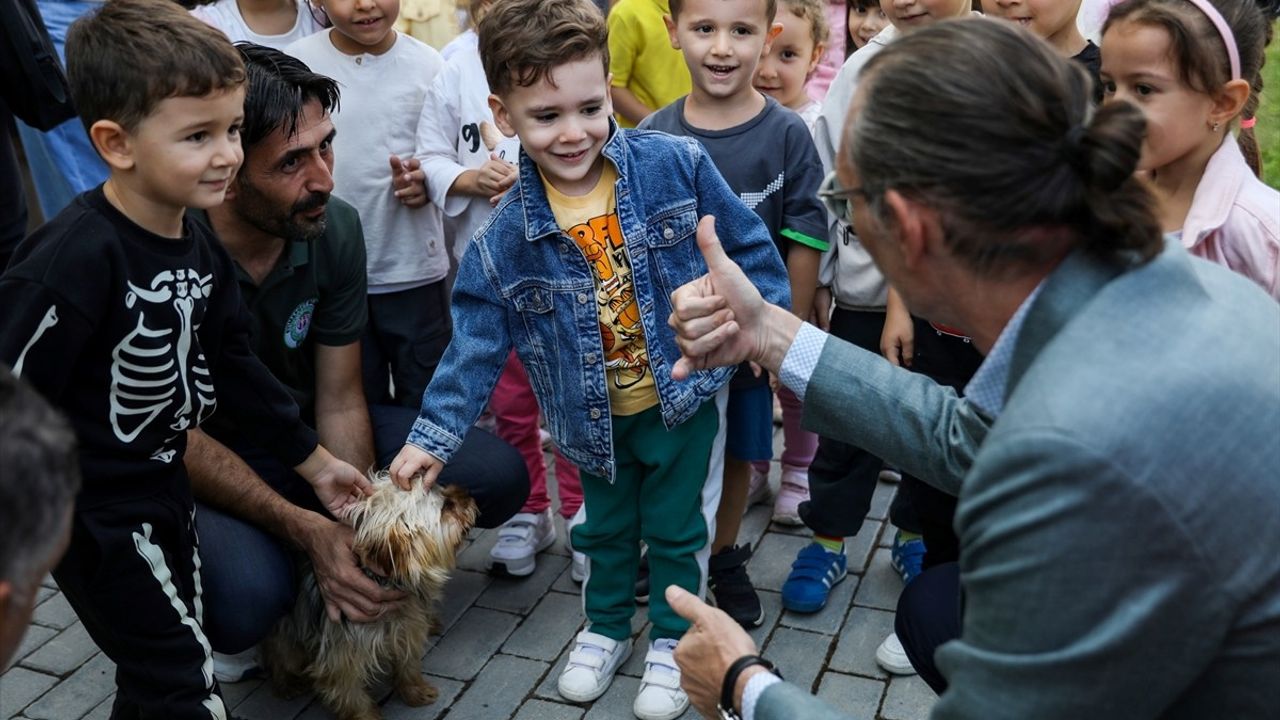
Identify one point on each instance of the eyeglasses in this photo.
(837, 199)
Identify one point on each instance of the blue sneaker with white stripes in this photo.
(815, 571)
(907, 557)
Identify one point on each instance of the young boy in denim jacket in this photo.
(575, 269)
(125, 314)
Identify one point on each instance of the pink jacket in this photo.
(1234, 219)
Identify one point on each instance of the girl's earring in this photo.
(1215, 126)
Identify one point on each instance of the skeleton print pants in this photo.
(132, 574)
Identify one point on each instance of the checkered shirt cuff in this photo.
(755, 688)
(802, 358)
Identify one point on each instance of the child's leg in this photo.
(609, 535)
(133, 577)
(677, 499)
(569, 485)
(515, 412)
(842, 479)
(798, 444)
(414, 328)
(749, 437)
(733, 502)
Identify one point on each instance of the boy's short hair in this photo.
(770, 8)
(38, 483)
(522, 41)
(129, 55)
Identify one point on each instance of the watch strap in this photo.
(726, 708)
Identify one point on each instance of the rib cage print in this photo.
(159, 369)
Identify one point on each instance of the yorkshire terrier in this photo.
(414, 536)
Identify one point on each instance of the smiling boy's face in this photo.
(722, 41)
(562, 121)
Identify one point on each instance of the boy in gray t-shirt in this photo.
(767, 156)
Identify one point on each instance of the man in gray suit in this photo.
(1115, 458)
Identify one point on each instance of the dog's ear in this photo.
(459, 506)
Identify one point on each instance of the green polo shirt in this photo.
(316, 293)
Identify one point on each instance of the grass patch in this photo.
(1268, 128)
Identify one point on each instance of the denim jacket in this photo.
(524, 283)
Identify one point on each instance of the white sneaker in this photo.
(591, 667)
(892, 658)
(579, 571)
(660, 696)
(520, 539)
(237, 667)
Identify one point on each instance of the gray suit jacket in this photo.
(1120, 520)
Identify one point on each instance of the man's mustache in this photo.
(316, 200)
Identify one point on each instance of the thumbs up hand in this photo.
(719, 318)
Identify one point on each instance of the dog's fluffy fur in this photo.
(415, 537)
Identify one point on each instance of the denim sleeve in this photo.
(742, 233)
(469, 369)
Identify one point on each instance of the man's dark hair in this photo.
(129, 55)
(279, 87)
(39, 479)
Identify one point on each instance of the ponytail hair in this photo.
(1000, 136)
(1197, 48)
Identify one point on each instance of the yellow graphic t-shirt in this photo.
(591, 220)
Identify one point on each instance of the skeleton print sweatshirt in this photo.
(137, 338)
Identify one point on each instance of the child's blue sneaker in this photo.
(815, 571)
(907, 557)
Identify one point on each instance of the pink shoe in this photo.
(795, 490)
(758, 491)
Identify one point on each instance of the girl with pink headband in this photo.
(1193, 67)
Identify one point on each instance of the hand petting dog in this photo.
(338, 485)
(412, 461)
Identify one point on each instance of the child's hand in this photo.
(411, 461)
(409, 182)
(899, 336)
(495, 177)
(820, 316)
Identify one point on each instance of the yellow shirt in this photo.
(641, 57)
(591, 220)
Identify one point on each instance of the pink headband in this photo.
(1228, 38)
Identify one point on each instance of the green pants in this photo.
(665, 493)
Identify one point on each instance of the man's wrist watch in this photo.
(725, 708)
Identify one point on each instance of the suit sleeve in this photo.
(934, 434)
(784, 701)
(742, 232)
(1041, 636)
(246, 390)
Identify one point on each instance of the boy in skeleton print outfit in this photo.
(127, 316)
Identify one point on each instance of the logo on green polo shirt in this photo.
(295, 330)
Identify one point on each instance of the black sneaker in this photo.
(731, 586)
(642, 580)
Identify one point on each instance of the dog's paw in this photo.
(417, 692)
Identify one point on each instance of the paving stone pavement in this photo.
(504, 641)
